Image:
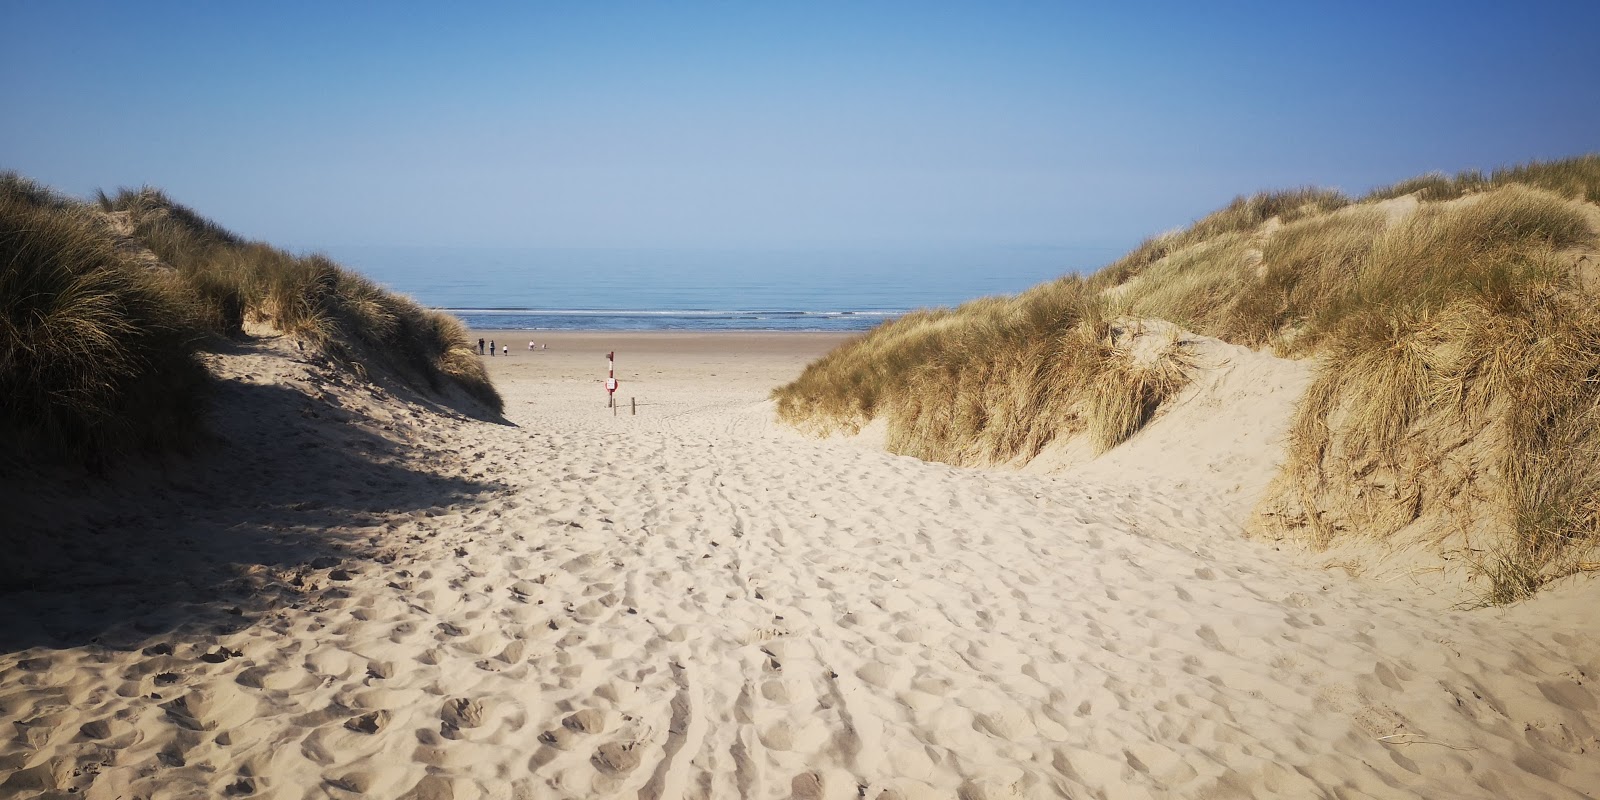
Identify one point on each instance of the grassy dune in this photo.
(104, 307)
(1455, 322)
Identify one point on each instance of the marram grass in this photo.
(104, 306)
(97, 353)
(1455, 321)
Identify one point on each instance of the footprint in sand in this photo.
(616, 758)
(368, 723)
(589, 720)
(458, 713)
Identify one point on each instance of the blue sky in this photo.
(768, 125)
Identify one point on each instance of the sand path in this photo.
(697, 602)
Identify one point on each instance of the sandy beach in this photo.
(355, 594)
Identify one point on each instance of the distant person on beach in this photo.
(505, 349)
(491, 347)
(480, 346)
(530, 345)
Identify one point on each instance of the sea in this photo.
(705, 290)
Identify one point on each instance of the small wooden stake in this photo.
(633, 404)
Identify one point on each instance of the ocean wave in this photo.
(588, 319)
(731, 314)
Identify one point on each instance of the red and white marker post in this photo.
(611, 379)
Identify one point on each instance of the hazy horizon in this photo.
(841, 284)
(886, 127)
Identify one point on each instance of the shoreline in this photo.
(677, 368)
(668, 343)
(592, 332)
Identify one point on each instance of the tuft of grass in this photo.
(1195, 286)
(1303, 266)
(1243, 215)
(1460, 325)
(1248, 213)
(995, 380)
(1298, 283)
(150, 203)
(1432, 187)
(1511, 363)
(1576, 178)
(97, 354)
(1573, 178)
(1125, 392)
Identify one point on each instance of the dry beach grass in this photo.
(104, 308)
(1453, 327)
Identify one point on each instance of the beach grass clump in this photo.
(1481, 409)
(1196, 286)
(1573, 178)
(97, 353)
(1535, 373)
(310, 297)
(1456, 350)
(1126, 391)
(992, 381)
(1292, 286)
(1248, 213)
(1454, 322)
(104, 307)
(843, 390)
(1242, 215)
(1302, 267)
(1432, 187)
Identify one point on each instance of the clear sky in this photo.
(776, 125)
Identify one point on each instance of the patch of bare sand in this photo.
(698, 602)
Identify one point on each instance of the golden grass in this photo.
(1459, 359)
(1195, 286)
(345, 314)
(1125, 393)
(1457, 329)
(99, 330)
(993, 381)
(1242, 215)
(1303, 267)
(1574, 178)
(97, 354)
(1518, 372)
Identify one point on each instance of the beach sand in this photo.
(356, 595)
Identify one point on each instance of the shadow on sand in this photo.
(205, 543)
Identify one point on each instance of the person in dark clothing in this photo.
(480, 346)
(491, 347)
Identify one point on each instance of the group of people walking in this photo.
(505, 350)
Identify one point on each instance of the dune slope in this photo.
(1454, 329)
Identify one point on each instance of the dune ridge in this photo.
(106, 308)
(1452, 322)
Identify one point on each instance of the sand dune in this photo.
(361, 597)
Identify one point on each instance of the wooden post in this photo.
(611, 382)
(633, 404)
